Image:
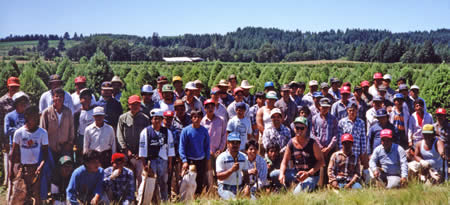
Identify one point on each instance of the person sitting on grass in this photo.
(273, 158)
(428, 155)
(86, 183)
(232, 169)
(344, 166)
(307, 160)
(119, 181)
(257, 166)
(388, 162)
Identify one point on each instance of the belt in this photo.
(230, 187)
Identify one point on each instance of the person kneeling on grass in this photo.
(344, 166)
(119, 181)
(232, 169)
(388, 162)
(428, 156)
(257, 167)
(307, 159)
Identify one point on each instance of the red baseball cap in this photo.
(378, 76)
(80, 79)
(346, 137)
(238, 89)
(117, 156)
(168, 113)
(13, 81)
(345, 89)
(134, 99)
(209, 101)
(365, 83)
(386, 133)
(441, 111)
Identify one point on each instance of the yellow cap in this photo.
(176, 78)
(428, 129)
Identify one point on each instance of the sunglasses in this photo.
(300, 127)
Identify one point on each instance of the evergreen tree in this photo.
(61, 45)
(32, 85)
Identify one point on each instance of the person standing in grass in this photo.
(344, 166)
(307, 159)
(388, 162)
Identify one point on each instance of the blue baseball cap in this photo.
(381, 113)
(317, 94)
(234, 136)
(398, 96)
(268, 84)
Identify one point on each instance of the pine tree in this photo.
(61, 45)
(32, 85)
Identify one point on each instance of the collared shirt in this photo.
(195, 104)
(362, 108)
(47, 101)
(226, 101)
(424, 104)
(146, 108)
(185, 121)
(225, 161)
(280, 136)
(373, 136)
(76, 101)
(82, 119)
(443, 131)
(30, 144)
(289, 110)
(129, 129)
(166, 150)
(358, 130)
(13, 121)
(392, 163)
(250, 100)
(231, 109)
(179, 95)
(261, 166)
(99, 138)
(217, 129)
(58, 133)
(122, 187)
(252, 114)
(414, 128)
(308, 99)
(222, 112)
(241, 126)
(314, 110)
(113, 110)
(325, 130)
(117, 97)
(298, 100)
(339, 110)
(6, 106)
(336, 95)
(343, 168)
(370, 117)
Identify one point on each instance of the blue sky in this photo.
(176, 17)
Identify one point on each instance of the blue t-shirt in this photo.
(194, 143)
(84, 185)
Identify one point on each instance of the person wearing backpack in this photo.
(156, 149)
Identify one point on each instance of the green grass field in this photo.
(24, 45)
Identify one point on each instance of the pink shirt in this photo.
(217, 129)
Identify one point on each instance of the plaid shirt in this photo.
(6, 106)
(252, 114)
(279, 136)
(122, 187)
(343, 168)
(358, 130)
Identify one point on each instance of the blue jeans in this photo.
(309, 184)
(356, 185)
(159, 166)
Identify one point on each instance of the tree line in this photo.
(433, 79)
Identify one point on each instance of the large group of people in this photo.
(75, 149)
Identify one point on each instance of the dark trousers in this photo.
(201, 178)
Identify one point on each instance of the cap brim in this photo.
(247, 87)
(427, 132)
(325, 105)
(107, 88)
(13, 84)
(98, 114)
(234, 140)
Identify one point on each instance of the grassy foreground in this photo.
(415, 193)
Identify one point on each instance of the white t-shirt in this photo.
(225, 161)
(241, 126)
(166, 150)
(86, 118)
(164, 107)
(76, 101)
(30, 144)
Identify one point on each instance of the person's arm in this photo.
(223, 139)
(113, 141)
(356, 175)
(223, 175)
(206, 145)
(403, 163)
(320, 160)
(265, 138)
(417, 155)
(98, 191)
(440, 148)
(411, 125)
(86, 140)
(71, 131)
(284, 164)
(142, 153)
(259, 119)
(182, 148)
(120, 134)
(331, 168)
(44, 120)
(72, 189)
(262, 170)
(373, 161)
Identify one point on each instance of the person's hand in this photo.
(38, 171)
(217, 153)
(403, 181)
(253, 171)
(335, 185)
(376, 173)
(185, 166)
(116, 173)
(410, 145)
(129, 153)
(302, 175)
(348, 186)
(281, 178)
(235, 167)
(95, 200)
